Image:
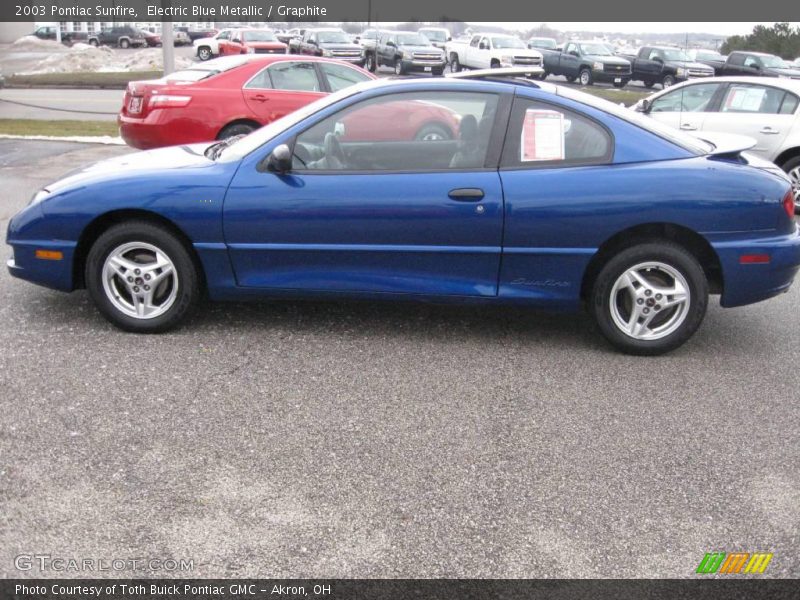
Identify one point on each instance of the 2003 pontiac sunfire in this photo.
(508, 191)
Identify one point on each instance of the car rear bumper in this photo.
(158, 130)
(753, 282)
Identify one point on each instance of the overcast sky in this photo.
(716, 28)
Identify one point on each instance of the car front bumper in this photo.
(424, 66)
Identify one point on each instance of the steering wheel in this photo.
(334, 155)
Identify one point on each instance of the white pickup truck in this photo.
(207, 48)
(488, 50)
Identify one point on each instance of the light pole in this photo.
(167, 41)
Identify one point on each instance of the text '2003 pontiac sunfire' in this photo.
(511, 191)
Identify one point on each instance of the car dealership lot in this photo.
(371, 440)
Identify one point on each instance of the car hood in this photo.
(688, 64)
(609, 60)
(339, 46)
(265, 44)
(786, 72)
(415, 48)
(162, 159)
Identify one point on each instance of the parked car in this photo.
(251, 41)
(124, 36)
(208, 48)
(291, 34)
(406, 52)
(491, 50)
(712, 58)
(181, 38)
(545, 43)
(587, 62)
(757, 64)
(438, 36)
(665, 65)
(548, 198)
(766, 110)
(368, 39)
(225, 97)
(152, 39)
(48, 32)
(198, 34)
(328, 42)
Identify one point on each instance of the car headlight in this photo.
(508, 59)
(39, 196)
(326, 52)
(251, 50)
(681, 72)
(597, 66)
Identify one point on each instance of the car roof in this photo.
(792, 85)
(752, 52)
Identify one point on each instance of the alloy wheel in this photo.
(794, 175)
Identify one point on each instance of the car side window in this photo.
(260, 81)
(413, 131)
(742, 98)
(751, 61)
(294, 76)
(789, 105)
(548, 135)
(224, 35)
(486, 43)
(341, 76)
(570, 48)
(690, 98)
(654, 54)
(475, 41)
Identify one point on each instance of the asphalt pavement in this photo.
(324, 439)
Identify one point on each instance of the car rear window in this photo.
(208, 69)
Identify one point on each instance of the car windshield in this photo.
(412, 39)
(708, 55)
(543, 43)
(208, 69)
(674, 54)
(434, 35)
(677, 137)
(596, 49)
(259, 36)
(773, 62)
(259, 137)
(507, 42)
(332, 37)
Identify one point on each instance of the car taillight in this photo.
(168, 101)
(788, 203)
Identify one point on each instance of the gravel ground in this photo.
(376, 440)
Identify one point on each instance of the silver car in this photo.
(762, 108)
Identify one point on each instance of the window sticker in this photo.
(745, 99)
(542, 135)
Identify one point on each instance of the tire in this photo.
(668, 81)
(495, 64)
(204, 53)
(792, 169)
(371, 64)
(399, 69)
(648, 83)
(569, 78)
(124, 44)
(94, 43)
(163, 259)
(658, 266)
(585, 77)
(236, 129)
(433, 132)
(455, 66)
(437, 72)
(543, 76)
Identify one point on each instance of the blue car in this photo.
(529, 193)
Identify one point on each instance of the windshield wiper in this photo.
(214, 150)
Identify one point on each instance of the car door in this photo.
(762, 112)
(752, 66)
(384, 212)
(570, 59)
(222, 39)
(686, 108)
(281, 88)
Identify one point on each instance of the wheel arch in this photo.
(787, 154)
(103, 222)
(239, 121)
(692, 241)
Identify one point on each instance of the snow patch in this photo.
(82, 58)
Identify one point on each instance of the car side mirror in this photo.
(280, 159)
(757, 67)
(658, 59)
(644, 105)
(449, 39)
(574, 52)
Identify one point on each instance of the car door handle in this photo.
(769, 131)
(260, 98)
(466, 194)
(688, 127)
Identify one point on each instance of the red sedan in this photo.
(251, 41)
(227, 96)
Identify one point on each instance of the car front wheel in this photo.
(668, 81)
(650, 298)
(141, 277)
(585, 77)
(124, 44)
(398, 67)
(455, 66)
(204, 53)
(792, 168)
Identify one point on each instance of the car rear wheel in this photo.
(650, 298)
(204, 53)
(94, 43)
(236, 129)
(455, 66)
(792, 168)
(585, 77)
(648, 83)
(124, 44)
(141, 277)
(668, 81)
(433, 132)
